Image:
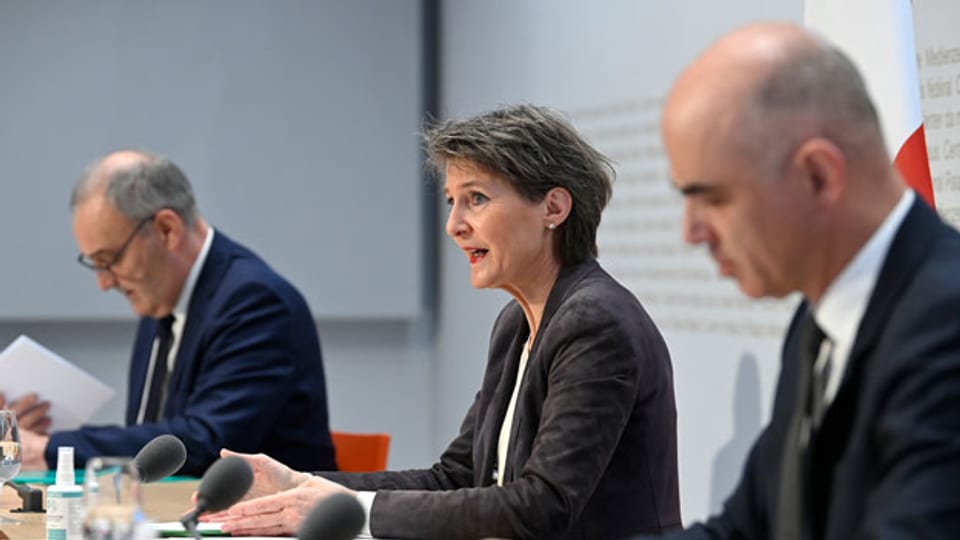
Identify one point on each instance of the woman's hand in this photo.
(279, 514)
(269, 477)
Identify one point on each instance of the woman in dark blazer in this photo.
(573, 431)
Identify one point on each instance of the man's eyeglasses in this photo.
(96, 262)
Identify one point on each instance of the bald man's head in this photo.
(763, 88)
(760, 90)
(776, 146)
(137, 184)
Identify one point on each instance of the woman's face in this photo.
(504, 236)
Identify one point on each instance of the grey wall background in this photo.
(296, 121)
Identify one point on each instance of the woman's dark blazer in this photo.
(593, 446)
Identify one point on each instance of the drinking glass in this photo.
(10, 453)
(113, 501)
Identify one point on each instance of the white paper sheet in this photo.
(74, 395)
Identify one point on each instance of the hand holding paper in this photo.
(73, 395)
(31, 412)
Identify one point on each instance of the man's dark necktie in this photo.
(792, 521)
(818, 385)
(159, 378)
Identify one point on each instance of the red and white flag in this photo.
(878, 36)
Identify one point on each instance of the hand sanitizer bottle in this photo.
(65, 501)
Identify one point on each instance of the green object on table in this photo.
(175, 529)
(177, 534)
(46, 478)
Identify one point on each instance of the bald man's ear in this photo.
(169, 227)
(558, 204)
(824, 167)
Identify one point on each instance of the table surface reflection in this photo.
(165, 501)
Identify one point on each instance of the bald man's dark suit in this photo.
(886, 460)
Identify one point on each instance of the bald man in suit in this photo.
(777, 148)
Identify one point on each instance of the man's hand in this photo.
(33, 446)
(31, 412)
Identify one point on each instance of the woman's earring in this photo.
(551, 226)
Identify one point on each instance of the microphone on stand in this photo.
(159, 458)
(337, 517)
(224, 483)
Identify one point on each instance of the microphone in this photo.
(31, 497)
(224, 483)
(337, 517)
(159, 458)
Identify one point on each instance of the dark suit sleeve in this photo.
(249, 363)
(918, 495)
(592, 388)
(748, 513)
(745, 515)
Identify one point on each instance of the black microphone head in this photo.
(159, 458)
(224, 483)
(337, 517)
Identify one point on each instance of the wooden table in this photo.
(166, 501)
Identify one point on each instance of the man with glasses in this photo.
(226, 352)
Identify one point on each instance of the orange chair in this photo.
(361, 452)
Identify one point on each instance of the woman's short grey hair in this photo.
(140, 190)
(534, 149)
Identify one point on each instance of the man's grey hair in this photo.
(140, 190)
(817, 91)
